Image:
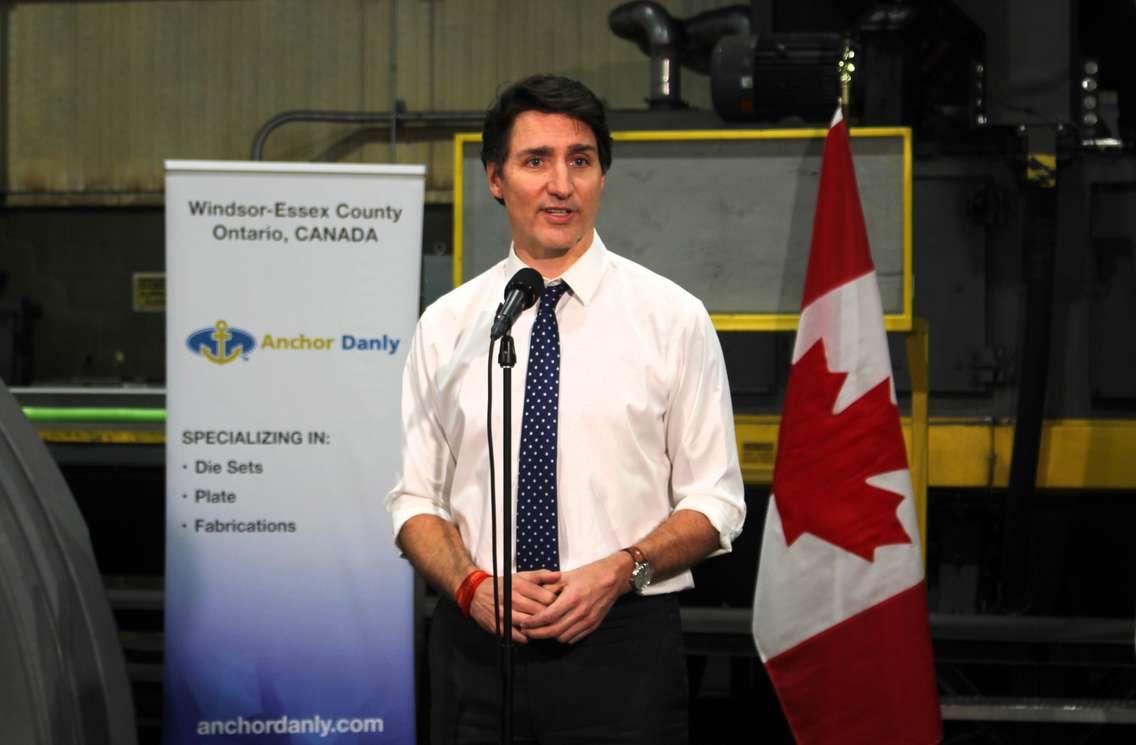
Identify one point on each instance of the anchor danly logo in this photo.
(221, 343)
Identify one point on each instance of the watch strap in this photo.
(640, 569)
(636, 554)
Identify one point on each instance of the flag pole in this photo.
(845, 69)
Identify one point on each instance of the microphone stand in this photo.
(506, 358)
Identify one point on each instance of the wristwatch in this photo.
(641, 571)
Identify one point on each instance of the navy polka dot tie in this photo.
(537, 546)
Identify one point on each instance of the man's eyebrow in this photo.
(544, 150)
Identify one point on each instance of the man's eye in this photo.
(533, 162)
(580, 162)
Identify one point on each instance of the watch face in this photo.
(641, 575)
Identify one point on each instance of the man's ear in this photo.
(493, 178)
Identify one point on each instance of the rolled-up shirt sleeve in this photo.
(427, 460)
(705, 473)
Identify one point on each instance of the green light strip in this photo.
(92, 414)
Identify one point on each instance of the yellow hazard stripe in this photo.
(102, 436)
(976, 453)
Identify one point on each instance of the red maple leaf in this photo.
(824, 461)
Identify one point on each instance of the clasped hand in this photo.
(566, 606)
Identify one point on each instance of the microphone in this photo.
(520, 294)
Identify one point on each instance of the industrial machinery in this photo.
(1023, 192)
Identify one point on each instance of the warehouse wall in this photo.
(99, 93)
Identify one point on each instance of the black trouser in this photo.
(623, 683)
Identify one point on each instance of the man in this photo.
(628, 471)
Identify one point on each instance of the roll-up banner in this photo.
(292, 297)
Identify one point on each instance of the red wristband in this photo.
(464, 595)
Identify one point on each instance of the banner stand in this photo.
(292, 298)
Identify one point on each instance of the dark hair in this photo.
(550, 94)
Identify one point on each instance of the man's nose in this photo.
(560, 181)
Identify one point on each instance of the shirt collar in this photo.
(583, 277)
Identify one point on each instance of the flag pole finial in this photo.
(846, 68)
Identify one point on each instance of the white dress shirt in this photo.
(645, 421)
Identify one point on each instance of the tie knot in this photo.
(551, 295)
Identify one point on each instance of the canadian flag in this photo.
(840, 610)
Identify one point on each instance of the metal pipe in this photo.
(660, 36)
(92, 414)
(666, 83)
(1020, 526)
(389, 118)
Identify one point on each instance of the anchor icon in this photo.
(221, 343)
(221, 337)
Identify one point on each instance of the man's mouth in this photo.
(562, 216)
